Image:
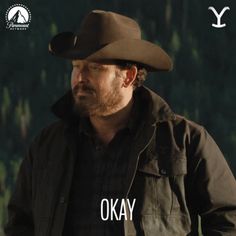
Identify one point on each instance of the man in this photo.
(119, 161)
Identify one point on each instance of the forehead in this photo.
(84, 62)
(77, 61)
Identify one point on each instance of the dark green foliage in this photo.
(201, 86)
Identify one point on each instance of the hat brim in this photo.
(143, 52)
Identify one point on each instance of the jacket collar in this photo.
(157, 109)
(63, 107)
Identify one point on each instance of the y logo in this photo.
(218, 16)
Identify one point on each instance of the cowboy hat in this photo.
(107, 35)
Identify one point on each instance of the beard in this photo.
(97, 103)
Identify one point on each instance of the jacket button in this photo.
(62, 200)
(163, 171)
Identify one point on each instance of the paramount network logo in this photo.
(18, 17)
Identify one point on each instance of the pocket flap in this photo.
(150, 168)
(165, 165)
(174, 164)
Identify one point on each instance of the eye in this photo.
(76, 66)
(94, 66)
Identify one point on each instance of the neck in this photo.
(107, 126)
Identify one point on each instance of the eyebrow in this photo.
(76, 63)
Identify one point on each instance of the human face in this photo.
(96, 88)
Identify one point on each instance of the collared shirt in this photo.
(100, 172)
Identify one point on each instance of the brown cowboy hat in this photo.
(107, 35)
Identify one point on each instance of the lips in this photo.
(82, 90)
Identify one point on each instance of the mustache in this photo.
(82, 87)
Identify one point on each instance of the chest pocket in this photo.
(159, 184)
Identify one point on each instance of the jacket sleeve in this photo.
(20, 217)
(213, 188)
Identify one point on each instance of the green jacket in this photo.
(176, 170)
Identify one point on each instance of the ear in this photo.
(130, 77)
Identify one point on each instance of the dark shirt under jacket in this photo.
(99, 173)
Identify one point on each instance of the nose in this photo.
(75, 77)
(78, 75)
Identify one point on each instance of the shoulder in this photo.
(184, 129)
(195, 132)
(190, 137)
(198, 144)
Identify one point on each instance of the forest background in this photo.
(202, 85)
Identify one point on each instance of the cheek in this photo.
(74, 79)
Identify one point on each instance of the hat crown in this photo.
(110, 36)
(103, 27)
